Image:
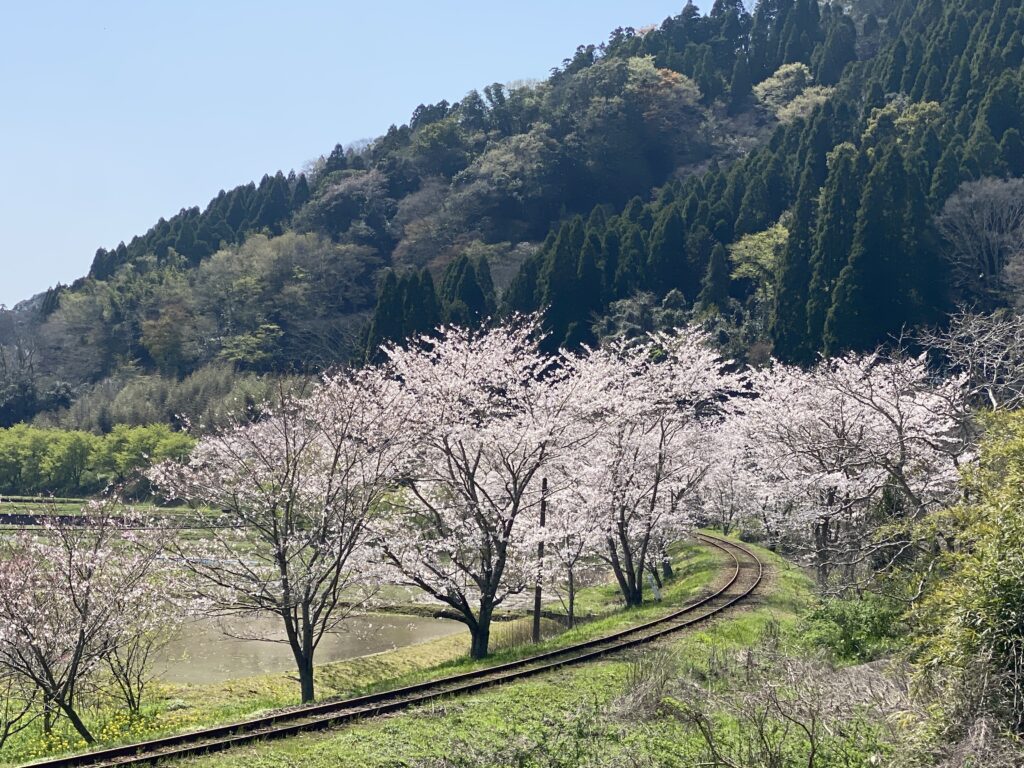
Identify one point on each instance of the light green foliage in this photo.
(754, 257)
(903, 120)
(970, 620)
(35, 460)
(203, 400)
(790, 92)
(856, 630)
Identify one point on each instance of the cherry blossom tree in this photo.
(297, 489)
(489, 412)
(572, 541)
(851, 444)
(654, 402)
(730, 492)
(68, 600)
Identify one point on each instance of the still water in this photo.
(202, 653)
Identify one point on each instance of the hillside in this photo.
(774, 174)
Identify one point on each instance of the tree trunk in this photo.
(571, 613)
(306, 680)
(821, 542)
(76, 721)
(630, 584)
(481, 636)
(300, 638)
(635, 596)
(540, 562)
(48, 713)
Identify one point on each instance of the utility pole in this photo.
(540, 561)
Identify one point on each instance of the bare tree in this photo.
(983, 226)
(988, 350)
(767, 710)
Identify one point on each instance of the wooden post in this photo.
(540, 561)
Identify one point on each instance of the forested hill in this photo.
(786, 176)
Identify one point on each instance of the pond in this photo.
(201, 652)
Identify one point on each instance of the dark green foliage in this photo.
(631, 261)
(1011, 152)
(667, 266)
(561, 298)
(871, 300)
(840, 49)
(521, 296)
(616, 134)
(407, 306)
(833, 237)
(387, 322)
(793, 276)
(753, 216)
(466, 299)
(740, 87)
(611, 249)
(714, 292)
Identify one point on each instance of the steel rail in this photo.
(328, 714)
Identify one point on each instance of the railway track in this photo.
(746, 576)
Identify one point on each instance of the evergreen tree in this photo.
(486, 282)
(274, 205)
(610, 249)
(420, 311)
(598, 219)
(560, 294)
(981, 153)
(946, 177)
(868, 302)
(185, 243)
(666, 259)
(300, 194)
(833, 237)
(741, 86)
(1011, 152)
(522, 294)
(387, 322)
(839, 49)
(237, 212)
(632, 257)
(462, 297)
(714, 292)
(793, 275)
(753, 215)
(699, 246)
(588, 275)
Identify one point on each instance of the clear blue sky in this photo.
(117, 113)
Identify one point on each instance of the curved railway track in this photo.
(746, 576)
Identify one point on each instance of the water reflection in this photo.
(202, 653)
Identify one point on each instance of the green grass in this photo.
(178, 708)
(555, 707)
(58, 506)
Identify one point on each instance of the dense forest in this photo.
(795, 177)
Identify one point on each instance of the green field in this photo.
(176, 708)
(625, 711)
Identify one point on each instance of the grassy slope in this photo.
(555, 704)
(176, 708)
